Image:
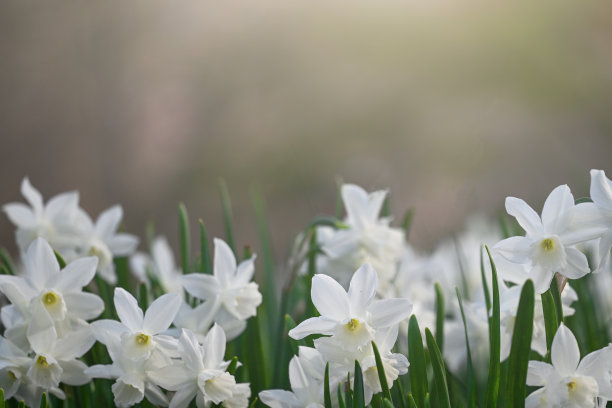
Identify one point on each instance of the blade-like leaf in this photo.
(381, 373)
(521, 346)
(326, 392)
(551, 323)
(556, 294)
(341, 403)
(43, 400)
(471, 384)
(205, 259)
(358, 393)
(438, 369)
(439, 317)
(231, 368)
(226, 204)
(411, 402)
(407, 222)
(60, 261)
(416, 356)
(494, 342)
(184, 238)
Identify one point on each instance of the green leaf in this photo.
(521, 346)
(400, 396)
(348, 394)
(439, 317)
(184, 238)
(143, 296)
(494, 342)
(387, 403)
(551, 323)
(341, 403)
(485, 285)
(227, 214)
(328, 222)
(439, 370)
(253, 404)
(381, 373)
(231, 368)
(205, 258)
(326, 392)
(312, 270)
(471, 384)
(583, 200)
(416, 356)
(556, 294)
(7, 261)
(122, 269)
(255, 357)
(407, 222)
(2, 398)
(412, 402)
(21, 404)
(43, 400)
(358, 397)
(60, 260)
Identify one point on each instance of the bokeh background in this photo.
(451, 104)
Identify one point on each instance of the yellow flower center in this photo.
(12, 376)
(548, 244)
(42, 361)
(49, 298)
(142, 339)
(353, 324)
(571, 385)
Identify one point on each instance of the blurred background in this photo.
(452, 105)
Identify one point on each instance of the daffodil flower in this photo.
(570, 382)
(548, 244)
(352, 317)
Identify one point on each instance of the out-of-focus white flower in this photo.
(368, 239)
(140, 334)
(352, 318)
(549, 241)
(230, 296)
(201, 373)
(103, 241)
(55, 221)
(306, 376)
(160, 265)
(601, 194)
(569, 382)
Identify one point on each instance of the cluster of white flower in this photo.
(47, 323)
(352, 320)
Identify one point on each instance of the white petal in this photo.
(63, 207)
(539, 373)
(362, 289)
(32, 195)
(127, 309)
(356, 203)
(122, 244)
(201, 286)
(76, 274)
(20, 215)
(103, 371)
(172, 377)
(161, 313)
(245, 271)
(74, 372)
(388, 312)
(128, 390)
(577, 264)
(224, 263)
(556, 209)
(84, 305)
(314, 325)
(605, 244)
(41, 331)
(184, 396)
(108, 332)
(40, 262)
(74, 344)
(162, 254)
(601, 189)
(279, 399)
(214, 344)
(155, 395)
(564, 353)
(585, 222)
(108, 221)
(329, 298)
(515, 249)
(525, 215)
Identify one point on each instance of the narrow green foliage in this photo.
(254, 403)
(358, 397)
(387, 403)
(407, 221)
(143, 296)
(471, 383)
(521, 346)
(400, 396)
(21, 404)
(290, 324)
(327, 221)
(43, 400)
(439, 317)
(205, 258)
(494, 342)
(348, 394)
(4, 270)
(584, 200)
(312, 270)
(1, 398)
(483, 276)
(556, 294)
(227, 214)
(254, 356)
(7, 261)
(381, 373)
(60, 259)
(326, 392)
(439, 370)
(550, 319)
(341, 403)
(385, 211)
(231, 368)
(427, 401)
(416, 356)
(184, 238)
(412, 402)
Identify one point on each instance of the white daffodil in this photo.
(140, 334)
(202, 373)
(230, 296)
(548, 243)
(368, 238)
(132, 381)
(160, 265)
(54, 221)
(601, 194)
(59, 293)
(352, 318)
(306, 376)
(103, 241)
(569, 382)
